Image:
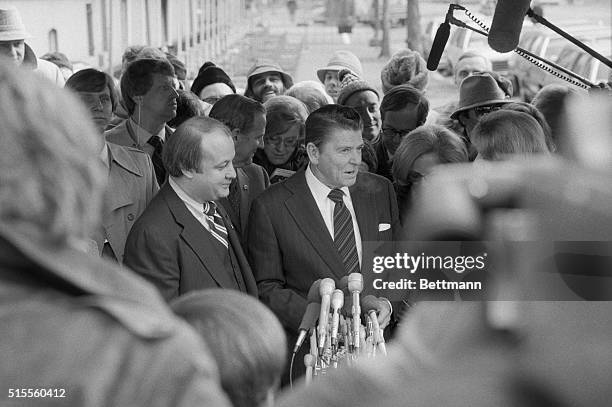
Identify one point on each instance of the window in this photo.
(90, 35)
(52, 40)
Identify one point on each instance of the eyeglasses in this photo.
(277, 141)
(392, 133)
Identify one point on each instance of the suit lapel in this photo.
(196, 237)
(245, 268)
(365, 207)
(305, 212)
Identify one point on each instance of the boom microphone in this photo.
(438, 45)
(507, 24)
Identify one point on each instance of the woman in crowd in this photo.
(245, 338)
(283, 152)
(420, 151)
(505, 133)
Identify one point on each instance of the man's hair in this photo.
(237, 111)
(284, 112)
(51, 177)
(188, 105)
(551, 101)
(323, 121)
(134, 52)
(92, 80)
(245, 337)
(182, 150)
(138, 78)
(507, 132)
(446, 145)
(533, 111)
(403, 95)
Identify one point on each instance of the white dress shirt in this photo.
(196, 208)
(326, 206)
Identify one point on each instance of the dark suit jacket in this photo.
(290, 246)
(252, 180)
(169, 247)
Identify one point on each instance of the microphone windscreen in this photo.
(310, 316)
(355, 282)
(327, 286)
(507, 24)
(313, 293)
(337, 299)
(369, 302)
(438, 45)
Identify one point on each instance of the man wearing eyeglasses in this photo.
(479, 94)
(403, 109)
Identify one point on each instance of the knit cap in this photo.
(209, 74)
(404, 67)
(350, 84)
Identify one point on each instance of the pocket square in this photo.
(383, 226)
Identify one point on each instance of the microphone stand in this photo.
(519, 50)
(568, 37)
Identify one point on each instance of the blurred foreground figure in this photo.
(246, 339)
(74, 324)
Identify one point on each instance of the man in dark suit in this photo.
(183, 241)
(294, 235)
(246, 118)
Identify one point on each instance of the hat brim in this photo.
(286, 78)
(323, 71)
(494, 102)
(14, 36)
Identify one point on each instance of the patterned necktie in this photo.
(344, 238)
(158, 164)
(217, 227)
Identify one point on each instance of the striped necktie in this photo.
(344, 237)
(217, 227)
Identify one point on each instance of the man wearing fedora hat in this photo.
(479, 94)
(12, 45)
(328, 75)
(266, 79)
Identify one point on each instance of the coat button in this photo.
(130, 217)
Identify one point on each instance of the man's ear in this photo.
(235, 134)
(313, 153)
(187, 173)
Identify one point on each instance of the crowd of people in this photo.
(159, 236)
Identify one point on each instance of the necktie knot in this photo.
(210, 208)
(336, 195)
(156, 142)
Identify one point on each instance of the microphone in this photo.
(337, 301)
(507, 24)
(326, 288)
(310, 316)
(309, 362)
(438, 45)
(370, 304)
(355, 286)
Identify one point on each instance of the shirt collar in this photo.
(104, 156)
(142, 134)
(189, 201)
(319, 189)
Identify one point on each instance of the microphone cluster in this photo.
(339, 336)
